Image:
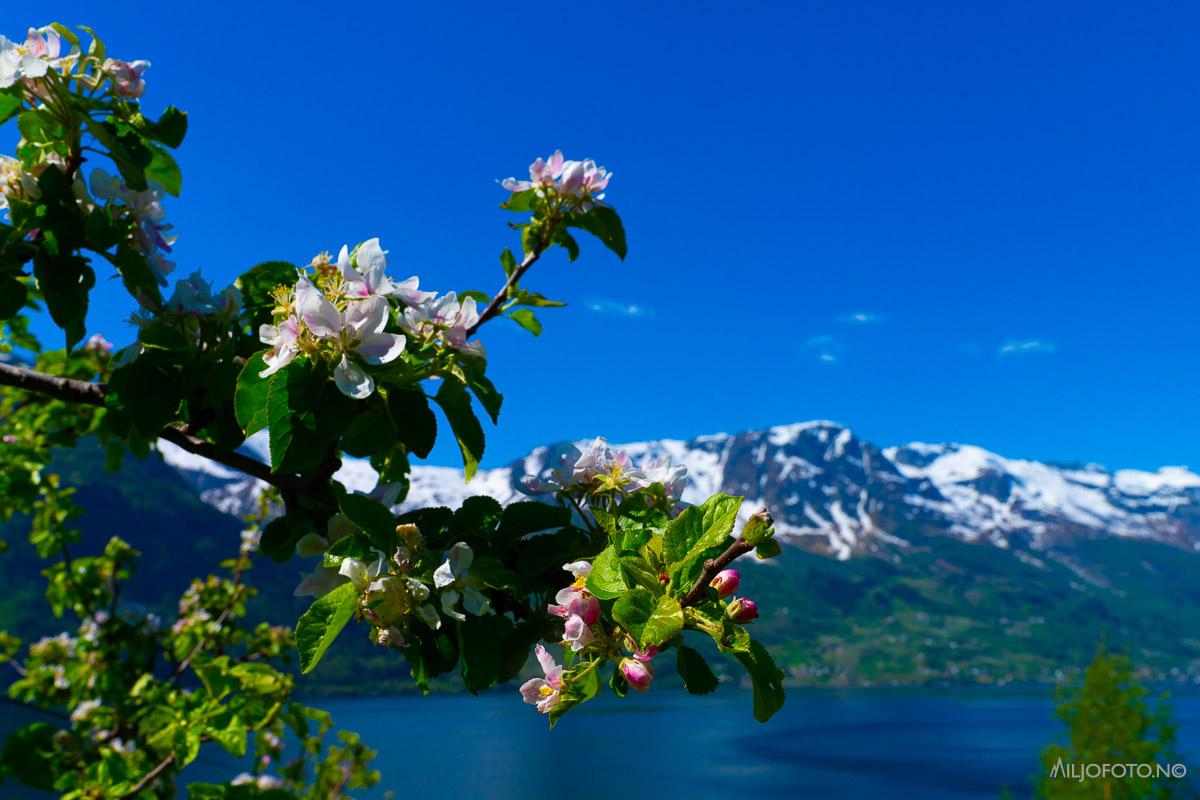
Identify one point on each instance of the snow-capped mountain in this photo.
(834, 493)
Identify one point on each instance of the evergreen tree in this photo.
(1109, 722)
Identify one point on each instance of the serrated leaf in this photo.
(695, 534)
(606, 580)
(10, 102)
(766, 678)
(456, 405)
(414, 420)
(164, 171)
(375, 520)
(650, 621)
(250, 396)
(698, 678)
(322, 622)
(604, 223)
(527, 320)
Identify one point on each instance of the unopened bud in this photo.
(644, 656)
(741, 609)
(637, 674)
(726, 582)
(758, 528)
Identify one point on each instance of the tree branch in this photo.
(68, 389)
(712, 566)
(87, 393)
(149, 777)
(493, 308)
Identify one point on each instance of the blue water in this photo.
(933, 744)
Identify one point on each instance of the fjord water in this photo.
(935, 744)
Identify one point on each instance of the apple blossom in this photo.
(151, 235)
(455, 583)
(542, 173)
(358, 330)
(360, 573)
(576, 600)
(445, 317)
(127, 77)
(741, 609)
(320, 582)
(364, 275)
(32, 58)
(283, 341)
(98, 343)
(636, 673)
(726, 582)
(584, 180)
(544, 692)
(576, 633)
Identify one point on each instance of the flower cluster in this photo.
(599, 469)
(151, 235)
(581, 183)
(579, 607)
(32, 60)
(340, 312)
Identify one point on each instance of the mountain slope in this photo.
(914, 563)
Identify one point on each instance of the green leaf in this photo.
(415, 422)
(170, 128)
(149, 391)
(280, 535)
(650, 622)
(527, 320)
(65, 281)
(250, 396)
(603, 223)
(258, 285)
(373, 518)
(696, 534)
(29, 754)
(606, 580)
(370, 432)
(13, 295)
(637, 571)
(766, 678)
(520, 201)
(530, 516)
(321, 624)
(697, 677)
(479, 640)
(10, 102)
(127, 150)
(305, 415)
(163, 171)
(232, 738)
(485, 391)
(456, 405)
(508, 261)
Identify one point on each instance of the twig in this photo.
(72, 390)
(493, 308)
(149, 777)
(712, 566)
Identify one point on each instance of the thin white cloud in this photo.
(1019, 347)
(603, 305)
(861, 318)
(826, 348)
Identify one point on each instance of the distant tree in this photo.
(1119, 747)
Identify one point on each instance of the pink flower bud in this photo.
(741, 609)
(726, 582)
(127, 77)
(637, 674)
(644, 656)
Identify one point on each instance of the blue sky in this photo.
(945, 223)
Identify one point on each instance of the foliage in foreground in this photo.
(331, 358)
(1118, 746)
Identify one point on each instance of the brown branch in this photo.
(493, 308)
(149, 777)
(712, 566)
(68, 389)
(87, 393)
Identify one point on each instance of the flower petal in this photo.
(380, 348)
(353, 380)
